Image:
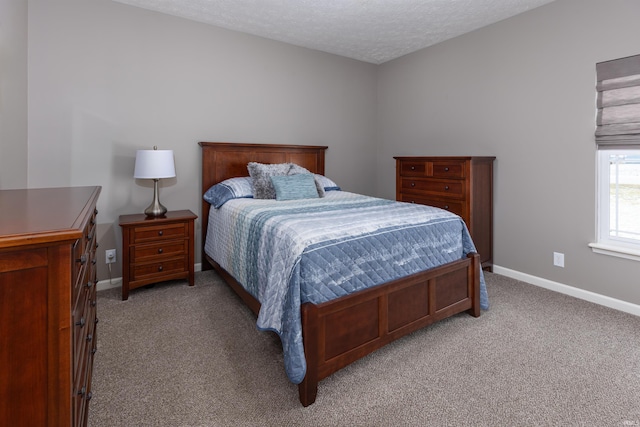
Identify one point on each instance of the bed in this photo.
(343, 329)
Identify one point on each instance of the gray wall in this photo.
(106, 79)
(522, 90)
(13, 94)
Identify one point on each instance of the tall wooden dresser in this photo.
(47, 305)
(462, 185)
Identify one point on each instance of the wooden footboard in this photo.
(338, 332)
(341, 331)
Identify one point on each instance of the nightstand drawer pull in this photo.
(160, 250)
(160, 268)
(160, 233)
(413, 168)
(446, 206)
(446, 169)
(89, 396)
(94, 261)
(413, 184)
(89, 337)
(446, 187)
(82, 260)
(81, 322)
(89, 284)
(82, 391)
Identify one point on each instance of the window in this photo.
(618, 141)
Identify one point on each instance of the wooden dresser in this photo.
(462, 185)
(47, 305)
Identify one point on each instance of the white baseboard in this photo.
(606, 301)
(108, 284)
(116, 282)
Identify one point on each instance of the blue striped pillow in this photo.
(294, 187)
(232, 188)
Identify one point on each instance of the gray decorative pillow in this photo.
(261, 174)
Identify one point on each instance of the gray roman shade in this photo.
(618, 121)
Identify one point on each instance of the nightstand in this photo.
(157, 249)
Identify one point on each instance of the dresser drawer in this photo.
(440, 187)
(415, 168)
(82, 318)
(158, 251)
(159, 232)
(82, 379)
(453, 206)
(448, 169)
(158, 269)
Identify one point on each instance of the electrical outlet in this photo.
(110, 256)
(558, 259)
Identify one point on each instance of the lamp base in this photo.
(155, 209)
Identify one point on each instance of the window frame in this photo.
(605, 243)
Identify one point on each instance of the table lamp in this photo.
(154, 164)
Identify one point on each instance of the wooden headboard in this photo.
(222, 160)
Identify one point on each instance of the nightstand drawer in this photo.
(440, 187)
(158, 269)
(157, 251)
(147, 233)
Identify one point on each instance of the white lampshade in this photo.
(154, 164)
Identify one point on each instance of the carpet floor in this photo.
(174, 355)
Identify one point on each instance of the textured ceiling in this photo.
(373, 31)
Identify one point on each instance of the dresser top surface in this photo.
(43, 214)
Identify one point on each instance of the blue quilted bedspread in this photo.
(286, 253)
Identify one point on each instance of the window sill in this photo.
(616, 251)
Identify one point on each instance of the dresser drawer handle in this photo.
(93, 350)
(160, 250)
(96, 321)
(81, 322)
(82, 391)
(82, 260)
(89, 284)
(413, 168)
(89, 237)
(160, 233)
(93, 304)
(159, 268)
(413, 184)
(446, 187)
(446, 207)
(446, 169)
(93, 221)
(95, 211)
(94, 261)
(89, 396)
(89, 337)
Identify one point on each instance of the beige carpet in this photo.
(175, 355)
